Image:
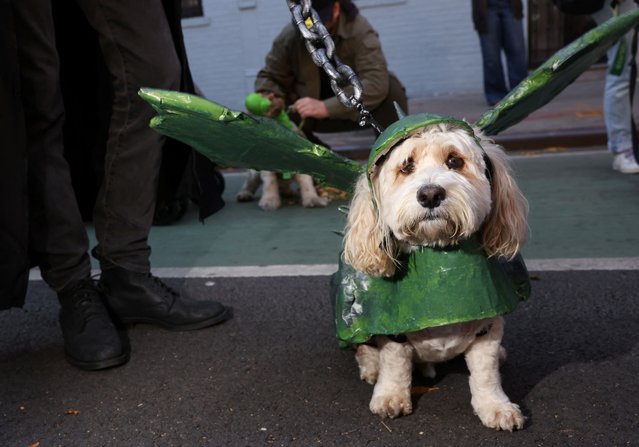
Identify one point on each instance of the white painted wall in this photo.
(430, 44)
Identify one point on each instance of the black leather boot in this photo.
(91, 340)
(143, 298)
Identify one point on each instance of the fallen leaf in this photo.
(423, 389)
(332, 193)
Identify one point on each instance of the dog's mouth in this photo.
(433, 215)
(425, 226)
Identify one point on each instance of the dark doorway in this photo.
(550, 30)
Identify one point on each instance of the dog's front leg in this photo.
(391, 396)
(270, 200)
(488, 398)
(310, 198)
(252, 182)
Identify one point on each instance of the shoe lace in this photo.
(170, 292)
(87, 303)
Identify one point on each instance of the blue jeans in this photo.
(503, 32)
(617, 111)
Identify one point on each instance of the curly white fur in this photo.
(433, 190)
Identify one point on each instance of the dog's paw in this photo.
(368, 375)
(314, 201)
(505, 416)
(268, 203)
(368, 361)
(244, 196)
(392, 405)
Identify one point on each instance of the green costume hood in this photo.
(404, 128)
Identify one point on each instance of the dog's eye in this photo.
(454, 162)
(408, 167)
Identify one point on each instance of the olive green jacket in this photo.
(290, 72)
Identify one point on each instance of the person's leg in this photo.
(617, 109)
(57, 237)
(514, 46)
(139, 52)
(490, 42)
(618, 112)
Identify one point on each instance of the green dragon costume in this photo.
(433, 287)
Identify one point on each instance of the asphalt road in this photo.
(273, 375)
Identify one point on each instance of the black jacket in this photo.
(14, 260)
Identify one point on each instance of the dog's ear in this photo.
(368, 245)
(506, 228)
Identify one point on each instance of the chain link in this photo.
(321, 47)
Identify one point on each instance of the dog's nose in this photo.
(430, 196)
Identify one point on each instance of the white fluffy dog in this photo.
(435, 189)
(271, 184)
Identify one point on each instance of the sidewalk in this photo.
(573, 119)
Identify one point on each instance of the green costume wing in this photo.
(555, 74)
(247, 141)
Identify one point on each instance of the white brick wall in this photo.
(430, 44)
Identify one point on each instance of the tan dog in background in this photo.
(273, 187)
(269, 104)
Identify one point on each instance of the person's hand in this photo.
(277, 105)
(310, 108)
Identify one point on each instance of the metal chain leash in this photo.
(321, 47)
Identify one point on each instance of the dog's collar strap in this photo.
(435, 287)
(490, 170)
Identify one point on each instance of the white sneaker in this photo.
(625, 163)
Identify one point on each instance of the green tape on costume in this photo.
(619, 61)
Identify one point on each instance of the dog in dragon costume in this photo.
(432, 220)
(431, 249)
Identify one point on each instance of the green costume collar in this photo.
(434, 287)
